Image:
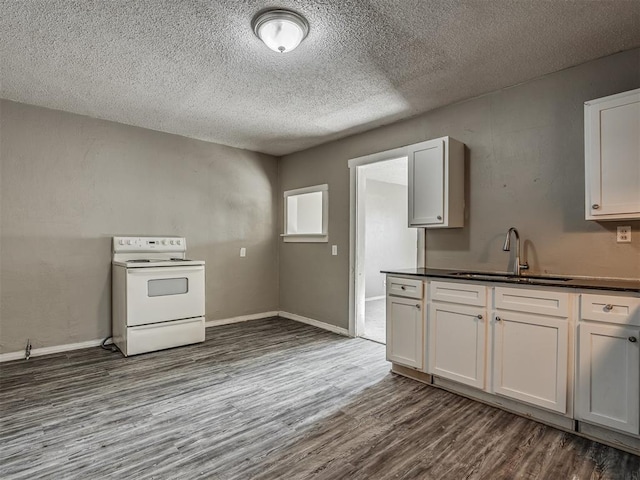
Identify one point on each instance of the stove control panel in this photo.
(149, 244)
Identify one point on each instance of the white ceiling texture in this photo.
(195, 68)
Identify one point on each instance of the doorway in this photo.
(380, 237)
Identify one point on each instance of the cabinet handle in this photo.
(439, 217)
(418, 306)
(480, 317)
(633, 339)
(608, 306)
(498, 319)
(595, 206)
(403, 287)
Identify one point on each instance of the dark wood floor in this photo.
(269, 399)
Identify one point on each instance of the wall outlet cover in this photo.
(624, 234)
(243, 252)
(334, 249)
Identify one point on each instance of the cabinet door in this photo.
(426, 183)
(405, 332)
(609, 376)
(530, 355)
(457, 343)
(612, 156)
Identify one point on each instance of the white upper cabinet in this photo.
(612, 157)
(436, 183)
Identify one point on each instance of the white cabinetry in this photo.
(608, 383)
(545, 352)
(405, 322)
(457, 332)
(612, 157)
(436, 183)
(531, 347)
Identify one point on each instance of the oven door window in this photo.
(167, 286)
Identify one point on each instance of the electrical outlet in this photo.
(334, 249)
(243, 252)
(624, 234)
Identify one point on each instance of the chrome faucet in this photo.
(517, 267)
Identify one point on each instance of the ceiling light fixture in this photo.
(280, 30)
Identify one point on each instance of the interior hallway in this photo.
(375, 322)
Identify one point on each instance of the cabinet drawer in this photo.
(404, 287)
(532, 301)
(158, 336)
(462, 293)
(610, 309)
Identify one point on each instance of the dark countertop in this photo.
(618, 285)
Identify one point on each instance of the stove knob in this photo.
(128, 242)
(172, 242)
(121, 241)
(179, 242)
(164, 242)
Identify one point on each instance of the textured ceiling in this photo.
(195, 68)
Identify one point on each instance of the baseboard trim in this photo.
(38, 352)
(315, 323)
(241, 318)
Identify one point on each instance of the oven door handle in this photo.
(164, 270)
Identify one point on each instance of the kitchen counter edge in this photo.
(618, 285)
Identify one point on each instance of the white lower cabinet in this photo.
(575, 355)
(609, 376)
(530, 355)
(404, 332)
(457, 342)
(405, 322)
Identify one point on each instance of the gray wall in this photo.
(389, 243)
(526, 168)
(69, 183)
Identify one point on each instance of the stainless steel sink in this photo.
(507, 277)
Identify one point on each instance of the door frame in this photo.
(356, 239)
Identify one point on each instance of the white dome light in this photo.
(280, 30)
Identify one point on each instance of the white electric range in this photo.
(158, 298)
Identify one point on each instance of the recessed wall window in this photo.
(306, 214)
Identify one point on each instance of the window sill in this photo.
(304, 238)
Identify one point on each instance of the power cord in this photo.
(109, 346)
